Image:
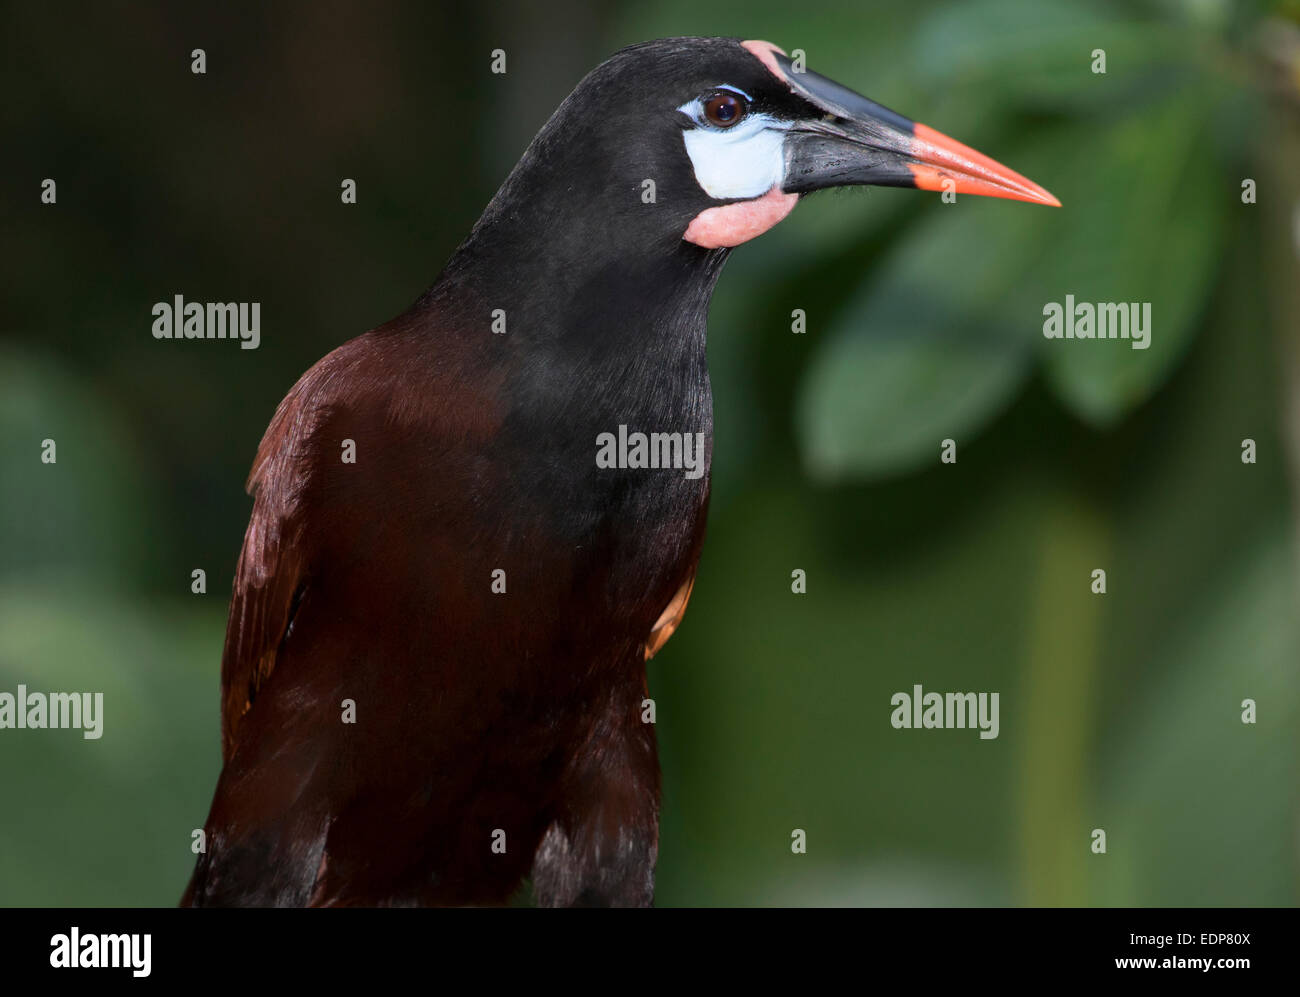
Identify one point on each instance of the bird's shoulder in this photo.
(390, 395)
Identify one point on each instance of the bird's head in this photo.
(686, 143)
(765, 131)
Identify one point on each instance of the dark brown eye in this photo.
(724, 109)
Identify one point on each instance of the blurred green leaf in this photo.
(943, 333)
(928, 350)
(883, 406)
(1028, 54)
(1143, 222)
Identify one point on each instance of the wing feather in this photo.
(272, 570)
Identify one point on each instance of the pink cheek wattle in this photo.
(731, 224)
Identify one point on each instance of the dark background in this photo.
(1119, 711)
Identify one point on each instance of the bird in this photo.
(434, 670)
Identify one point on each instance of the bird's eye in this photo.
(724, 109)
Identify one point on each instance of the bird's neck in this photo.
(590, 346)
(553, 304)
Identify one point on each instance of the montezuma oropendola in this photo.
(500, 732)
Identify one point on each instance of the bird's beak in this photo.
(860, 142)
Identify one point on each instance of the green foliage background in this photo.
(1120, 712)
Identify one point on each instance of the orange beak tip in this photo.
(945, 164)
